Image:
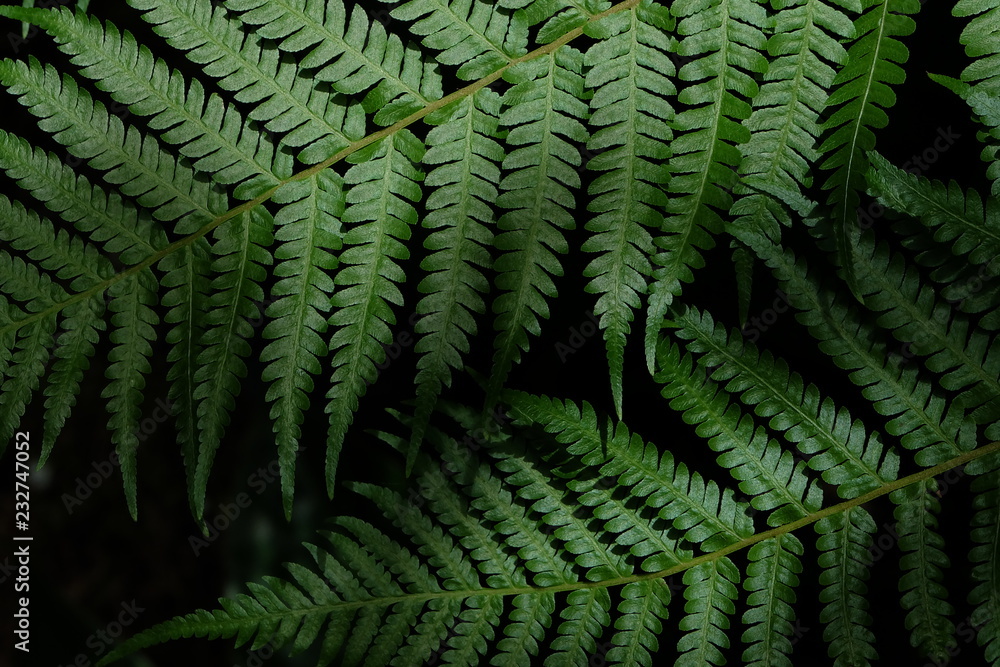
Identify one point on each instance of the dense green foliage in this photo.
(316, 142)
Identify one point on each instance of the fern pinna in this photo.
(295, 157)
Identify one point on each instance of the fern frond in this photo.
(923, 420)
(480, 37)
(563, 519)
(107, 220)
(60, 254)
(863, 92)
(136, 165)
(308, 230)
(629, 70)
(240, 252)
(844, 539)
(27, 354)
(711, 590)
(204, 128)
(543, 110)
(923, 560)
(389, 604)
(560, 16)
(495, 501)
(963, 220)
(133, 320)
(463, 148)
(382, 184)
(187, 283)
(767, 474)
(984, 556)
(983, 85)
(724, 40)
(584, 619)
(642, 610)
(82, 325)
(785, 122)
(707, 513)
(944, 210)
(68, 258)
(968, 357)
(350, 51)
(838, 446)
(27, 359)
(286, 100)
(772, 575)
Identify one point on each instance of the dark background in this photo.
(88, 561)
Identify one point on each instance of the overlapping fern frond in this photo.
(724, 41)
(499, 562)
(862, 92)
(981, 87)
(310, 161)
(303, 87)
(785, 122)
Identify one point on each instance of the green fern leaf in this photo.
(187, 285)
(382, 185)
(968, 360)
(844, 539)
(461, 189)
(765, 473)
(544, 113)
(983, 86)
(117, 225)
(643, 607)
(629, 70)
(922, 562)
(838, 446)
(213, 134)
(970, 225)
(711, 590)
(772, 575)
(240, 252)
(706, 513)
(67, 258)
(862, 93)
(724, 40)
(136, 165)
(29, 352)
(785, 122)
(133, 320)
(560, 16)
(478, 36)
(921, 417)
(308, 229)
(396, 78)
(985, 531)
(288, 102)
